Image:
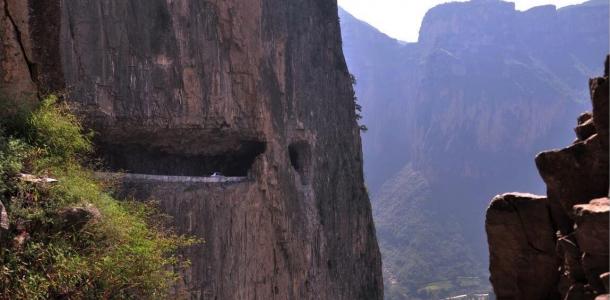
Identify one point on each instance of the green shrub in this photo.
(121, 254)
(58, 132)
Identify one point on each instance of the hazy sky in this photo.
(401, 19)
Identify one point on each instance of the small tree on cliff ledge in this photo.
(362, 127)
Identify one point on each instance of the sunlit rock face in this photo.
(573, 220)
(250, 89)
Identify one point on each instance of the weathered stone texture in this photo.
(187, 82)
(16, 80)
(520, 235)
(592, 226)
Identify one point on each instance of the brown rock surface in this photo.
(16, 80)
(252, 89)
(576, 174)
(522, 247)
(578, 206)
(592, 226)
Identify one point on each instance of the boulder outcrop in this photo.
(75, 218)
(520, 234)
(255, 89)
(573, 218)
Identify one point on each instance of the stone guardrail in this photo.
(168, 178)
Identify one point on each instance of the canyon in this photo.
(457, 118)
(257, 90)
(556, 247)
(241, 121)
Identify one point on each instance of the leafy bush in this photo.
(121, 253)
(55, 130)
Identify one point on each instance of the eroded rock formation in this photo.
(520, 236)
(557, 247)
(256, 89)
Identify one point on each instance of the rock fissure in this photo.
(525, 228)
(18, 38)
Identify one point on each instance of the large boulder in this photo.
(521, 238)
(576, 174)
(75, 218)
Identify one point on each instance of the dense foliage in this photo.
(118, 253)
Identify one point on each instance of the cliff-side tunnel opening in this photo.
(142, 159)
(300, 159)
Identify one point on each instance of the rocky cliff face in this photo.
(557, 247)
(257, 90)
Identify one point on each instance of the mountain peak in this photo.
(466, 20)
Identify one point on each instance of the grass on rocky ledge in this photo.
(121, 253)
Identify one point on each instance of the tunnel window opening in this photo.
(294, 158)
(300, 159)
(139, 159)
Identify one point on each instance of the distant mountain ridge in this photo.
(464, 109)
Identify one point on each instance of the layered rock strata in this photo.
(255, 89)
(557, 247)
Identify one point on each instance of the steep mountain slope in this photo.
(257, 90)
(465, 108)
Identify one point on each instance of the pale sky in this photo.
(401, 19)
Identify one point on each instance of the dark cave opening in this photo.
(140, 159)
(300, 159)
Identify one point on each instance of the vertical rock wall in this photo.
(557, 247)
(198, 81)
(16, 78)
